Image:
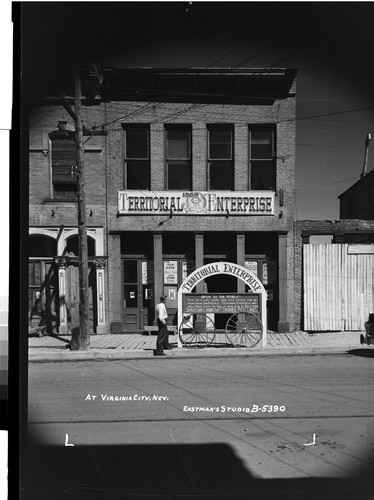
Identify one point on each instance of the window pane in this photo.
(131, 295)
(179, 175)
(138, 174)
(63, 175)
(178, 144)
(65, 191)
(131, 271)
(262, 175)
(64, 153)
(261, 144)
(64, 161)
(221, 175)
(220, 144)
(137, 143)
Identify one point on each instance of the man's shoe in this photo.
(168, 348)
(159, 354)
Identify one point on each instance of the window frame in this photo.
(263, 128)
(136, 126)
(55, 137)
(169, 161)
(231, 160)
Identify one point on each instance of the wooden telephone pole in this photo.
(81, 340)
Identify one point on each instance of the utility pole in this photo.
(81, 341)
(367, 142)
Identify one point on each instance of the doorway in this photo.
(137, 293)
(42, 299)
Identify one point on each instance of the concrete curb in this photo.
(112, 354)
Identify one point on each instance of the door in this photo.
(42, 295)
(132, 301)
(266, 270)
(137, 293)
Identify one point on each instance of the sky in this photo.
(331, 45)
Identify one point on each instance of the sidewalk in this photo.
(138, 345)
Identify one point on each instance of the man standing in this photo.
(163, 334)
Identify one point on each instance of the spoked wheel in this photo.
(244, 329)
(201, 334)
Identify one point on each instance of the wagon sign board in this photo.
(253, 302)
(221, 303)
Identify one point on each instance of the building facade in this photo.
(182, 168)
(357, 202)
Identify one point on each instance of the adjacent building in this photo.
(183, 167)
(357, 202)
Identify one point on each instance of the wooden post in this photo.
(81, 338)
(367, 142)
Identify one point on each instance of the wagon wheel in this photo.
(244, 329)
(201, 334)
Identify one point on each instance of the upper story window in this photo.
(262, 158)
(178, 157)
(137, 157)
(221, 157)
(64, 163)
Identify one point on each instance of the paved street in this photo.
(216, 406)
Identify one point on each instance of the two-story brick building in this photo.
(183, 167)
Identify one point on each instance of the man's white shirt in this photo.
(161, 312)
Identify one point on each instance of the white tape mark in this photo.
(66, 441)
(314, 441)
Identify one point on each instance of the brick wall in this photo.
(105, 176)
(44, 120)
(281, 112)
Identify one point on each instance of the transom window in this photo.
(137, 158)
(262, 158)
(221, 158)
(178, 157)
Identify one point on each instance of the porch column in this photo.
(240, 258)
(283, 324)
(63, 328)
(158, 271)
(100, 296)
(115, 290)
(199, 259)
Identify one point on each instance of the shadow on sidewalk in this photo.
(179, 472)
(365, 353)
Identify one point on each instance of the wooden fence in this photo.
(338, 282)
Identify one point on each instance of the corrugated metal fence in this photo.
(338, 284)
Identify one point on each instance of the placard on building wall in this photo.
(196, 202)
(221, 303)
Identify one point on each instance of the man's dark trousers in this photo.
(162, 337)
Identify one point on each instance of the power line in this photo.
(324, 185)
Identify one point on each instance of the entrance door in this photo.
(133, 299)
(42, 295)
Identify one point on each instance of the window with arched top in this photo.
(40, 245)
(72, 246)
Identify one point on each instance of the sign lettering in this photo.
(196, 203)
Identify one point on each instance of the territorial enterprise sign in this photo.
(196, 202)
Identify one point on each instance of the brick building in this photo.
(183, 168)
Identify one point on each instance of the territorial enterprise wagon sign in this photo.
(196, 202)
